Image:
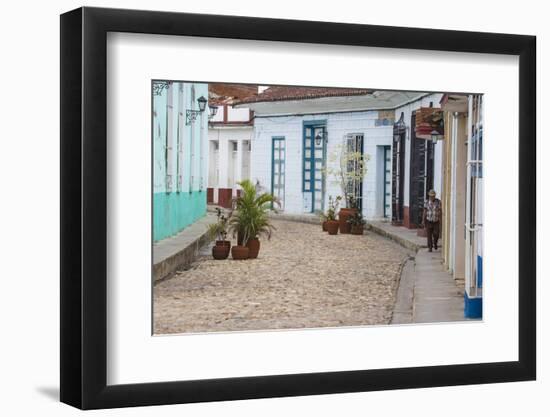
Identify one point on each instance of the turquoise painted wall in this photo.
(173, 212)
(180, 159)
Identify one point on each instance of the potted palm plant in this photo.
(218, 231)
(239, 225)
(250, 219)
(331, 223)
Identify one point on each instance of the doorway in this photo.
(421, 175)
(313, 177)
(354, 144)
(398, 172)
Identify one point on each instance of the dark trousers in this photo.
(432, 230)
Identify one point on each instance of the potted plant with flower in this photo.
(348, 167)
(251, 219)
(218, 231)
(323, 220)
(331, 223)
(357, 223)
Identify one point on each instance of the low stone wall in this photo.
(180, 260)
(180, 251)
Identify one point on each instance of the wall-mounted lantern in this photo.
(318, 139)
(399, 128)
(213, 111)
(191, 115)
(436, 136)
(202, 103)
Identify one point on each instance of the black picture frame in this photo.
(84, 207)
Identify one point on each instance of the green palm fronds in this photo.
(250, 218)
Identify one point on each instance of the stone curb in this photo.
(402, 241)
(182, 259)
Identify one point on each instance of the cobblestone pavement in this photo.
(303, 278)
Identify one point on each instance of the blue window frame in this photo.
(278, 150)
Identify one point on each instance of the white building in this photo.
(297, 129)
(229, 134)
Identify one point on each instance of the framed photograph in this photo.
(257, 208)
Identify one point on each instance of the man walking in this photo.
(430, 219)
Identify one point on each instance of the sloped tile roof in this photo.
(284, 93)
(219, 93)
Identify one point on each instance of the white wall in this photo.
(224, 135)
(338, 125)
(237, 115)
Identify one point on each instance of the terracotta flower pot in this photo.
(332, 227)
(220, 252)
(324, 224)
(239, 252)
(343, 215)
(253, 246)
(223, 243)
(357, 229)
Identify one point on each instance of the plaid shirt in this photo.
(432, 209)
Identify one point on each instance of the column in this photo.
(224, 190)
(239, 167)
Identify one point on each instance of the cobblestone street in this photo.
(303, 278)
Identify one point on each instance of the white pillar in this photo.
(203, 164)
(239, 167)
(223, 166)
(468, 261)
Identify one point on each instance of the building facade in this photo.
(180, 159)
(416, 164)
(230, 134)
(463, 196)
(299, 133)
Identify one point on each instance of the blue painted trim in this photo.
(473, 307)
(479, 271)
(273, 139)
(312, 124)
(320, 122)
(386, 150)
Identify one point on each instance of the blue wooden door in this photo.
(313, 167)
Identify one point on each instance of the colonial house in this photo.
(180, 162)
(230, 132)
(297, 130)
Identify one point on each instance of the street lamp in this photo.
(191, 115)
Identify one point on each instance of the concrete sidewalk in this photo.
(179, 251)
(427, 293)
